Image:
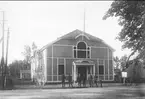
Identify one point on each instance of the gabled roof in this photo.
(76, 33)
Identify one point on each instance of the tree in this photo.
(117, 69)
(123, 61)
(137, 71)
(131, 16)
(117, 62)
(34, 47)
(15, 68)
(27, 53)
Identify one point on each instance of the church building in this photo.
(74, 53)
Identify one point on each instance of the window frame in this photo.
(101, 64)
(88, 49)
(61, 69)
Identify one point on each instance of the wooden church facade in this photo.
(77, 53)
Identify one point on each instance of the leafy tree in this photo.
(1, 66)
(123, 61)
(34, 47)
(131, 16)
(27, 57)
(15, 68)
(137, 71)
(117, 62)
(27, 53)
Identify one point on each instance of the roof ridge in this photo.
(69, 33)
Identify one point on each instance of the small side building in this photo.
(25, 72)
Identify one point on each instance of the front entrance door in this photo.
(82, 70)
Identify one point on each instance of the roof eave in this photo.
(55, 41)
(112, 49)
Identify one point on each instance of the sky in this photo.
(44, 21)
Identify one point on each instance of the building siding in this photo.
(54, 66)
(65, 42)
(106, 67)
(62, 51)
(106, 70)
(99, 53)
(110, 54)
(49, 77)
(49, 51)
(110, 69)
(49, 66)
(60, 61)
(95, 44)
(96, 65)
(69, 66)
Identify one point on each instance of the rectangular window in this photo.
(81, 54)
(88, 54)
(101, 69)
(74, 53)
(60, 69)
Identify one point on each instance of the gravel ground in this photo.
(59, 86)
(113, 92)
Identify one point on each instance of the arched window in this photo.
(81, 50)
(81, 45)
(81, 53)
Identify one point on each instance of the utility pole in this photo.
(7, 46)
(2, 63)
(6, 72)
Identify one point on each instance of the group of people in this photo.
(81, 79)
(69, 80)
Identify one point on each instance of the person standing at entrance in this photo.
(79, 80)
(70, 80)
(96, 80)
(101, 82)
(90, 80)
(63, 80)
(84, 80)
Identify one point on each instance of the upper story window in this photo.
(81, 45)
(81, 50)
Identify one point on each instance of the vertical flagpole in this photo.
(84, 19)
(84, 24)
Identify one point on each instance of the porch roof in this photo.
(85, 62)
